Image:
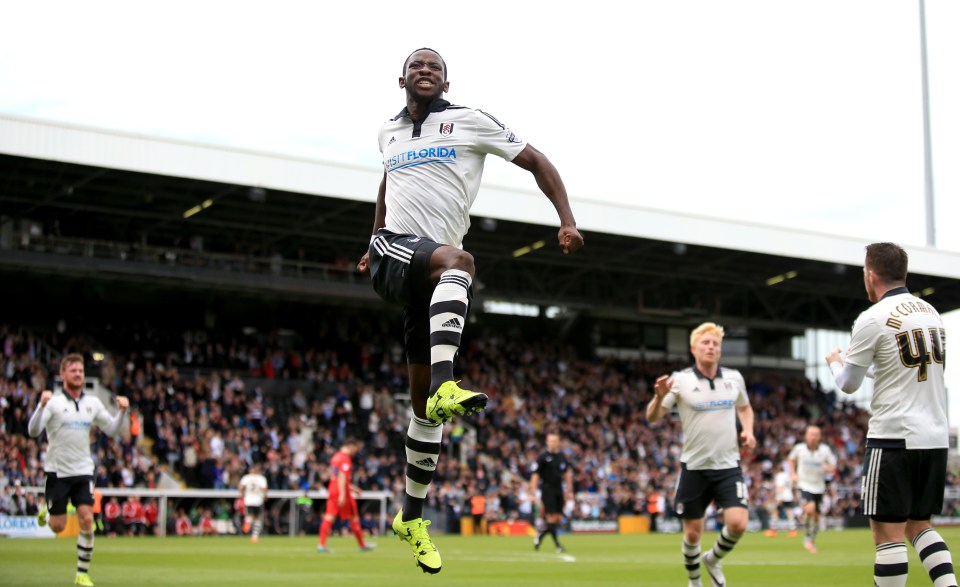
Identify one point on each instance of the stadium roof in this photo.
(84, 191)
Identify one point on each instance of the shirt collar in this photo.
(895, 292)
(79, 398)
(700, 375)
(438, 105)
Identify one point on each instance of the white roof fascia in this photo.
(178, 158)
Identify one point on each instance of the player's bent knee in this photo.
(737, 528)
(692, 536)
(462, 260)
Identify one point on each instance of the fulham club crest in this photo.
(446, 129)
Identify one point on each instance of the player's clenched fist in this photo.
(45, 397)
(122, 402)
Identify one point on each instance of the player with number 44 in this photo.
(904, 467)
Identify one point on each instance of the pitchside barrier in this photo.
(287, 501)
(23, 527)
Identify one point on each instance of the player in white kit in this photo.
(68, 418)
(810, 463)
(904, 471)
(253, 490)
(708, 398)
(783, 493)
(433, 158)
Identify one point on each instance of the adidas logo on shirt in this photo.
(452, 323)
(392, 140)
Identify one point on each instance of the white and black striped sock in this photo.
(84, 551)
(724, 544)
(890, 566)
(423, 453)
(257, 527)
(936, 558)
(691, 561)
(448, 316)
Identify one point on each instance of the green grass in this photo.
(844, 558)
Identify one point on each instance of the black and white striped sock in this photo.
(423, 452)
(84, 551)
(691, 561)
(936, 558)
(448, 316)
(890, 566)
(724, 544)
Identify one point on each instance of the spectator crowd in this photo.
(204, 409)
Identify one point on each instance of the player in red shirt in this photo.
(133, 516)
(184, 526)
(151, 512)
(111, 517)
(206, 523)
(341, 502)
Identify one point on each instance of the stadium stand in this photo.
(243, 333)
(207, 409)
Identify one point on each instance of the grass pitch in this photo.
(844, 558)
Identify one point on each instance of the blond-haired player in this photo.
(708, 398)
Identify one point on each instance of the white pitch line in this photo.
(523, 558)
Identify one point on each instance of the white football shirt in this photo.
(783, 485)
(433, 169)
(809, 463)
(254, 488)
(904, 338)
(68, 425)
(708, 416)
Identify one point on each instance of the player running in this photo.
(810, 463)
(67, 418)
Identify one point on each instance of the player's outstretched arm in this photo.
(548, 179)
(379, 220)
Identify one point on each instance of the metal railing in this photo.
(163, 495)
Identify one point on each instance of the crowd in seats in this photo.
(204, 419)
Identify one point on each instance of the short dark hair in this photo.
(414, 52)
(888, 261)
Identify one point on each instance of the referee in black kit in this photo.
(552, 467)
